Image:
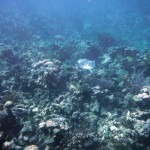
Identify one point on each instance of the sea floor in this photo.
(48, 102)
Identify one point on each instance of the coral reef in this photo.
(73, 88)
(50, 104)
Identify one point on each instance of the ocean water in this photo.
(127, 22)
(74, 75)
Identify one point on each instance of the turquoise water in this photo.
(127, 22)
(75, 74)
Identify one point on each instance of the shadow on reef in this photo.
(9, 126)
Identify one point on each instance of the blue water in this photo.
(70, 77)
(126, 21)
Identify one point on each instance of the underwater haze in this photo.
(126, 21)
(74, 75)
